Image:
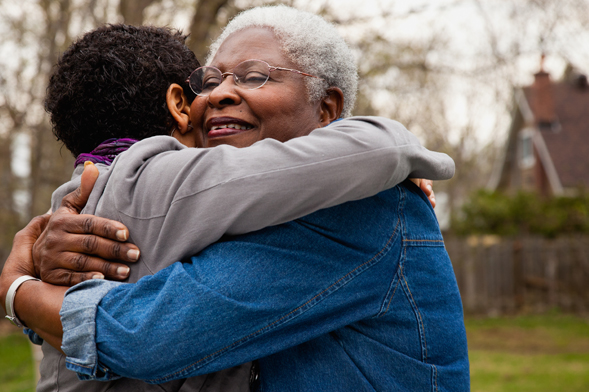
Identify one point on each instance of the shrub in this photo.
(487, 212)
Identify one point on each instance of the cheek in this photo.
(286, 118)
(197, 109)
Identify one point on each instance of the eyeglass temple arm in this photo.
(294, 70)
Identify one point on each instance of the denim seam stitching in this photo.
(400, 269)
(82, 366)
(402, 275)
(381, 313)
(401, 254)
(435, 377)
(394, 291)
(234, 344)
(418, 313)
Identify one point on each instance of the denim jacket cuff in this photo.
(33, 337)
(78, 318)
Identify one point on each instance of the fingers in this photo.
(76, 200)
(75, 247)
(38, 224)
(432, 199)
(63, 243)
(81, 267)
(105, 248)
(64, 277)
(90, 224)
(32, 230)
(427, 187)
(20, 261)
(88, 179)
(75, 267)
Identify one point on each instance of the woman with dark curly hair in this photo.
(118, 87)
(112, 82)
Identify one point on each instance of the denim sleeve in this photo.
(78, 314)
(247, 298)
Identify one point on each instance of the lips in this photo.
(225, 126)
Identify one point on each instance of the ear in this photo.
(331, 106)
(179, 108)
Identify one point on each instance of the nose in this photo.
(225, 93)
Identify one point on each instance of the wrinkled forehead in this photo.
(259, 43)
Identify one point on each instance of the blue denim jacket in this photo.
(358, 297)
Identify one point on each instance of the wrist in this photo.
(11, 296)
(6, 281)
(11, 272)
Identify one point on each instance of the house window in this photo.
(526, 148)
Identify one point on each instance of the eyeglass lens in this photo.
(250, 74)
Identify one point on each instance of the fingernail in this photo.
(429, 187)
(88, 163)
(133, 254)
(123, 271)
(97, 276)
(121, 235)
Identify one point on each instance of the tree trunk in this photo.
(204, 26)
(132, 10)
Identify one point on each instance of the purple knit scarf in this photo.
(107, 151)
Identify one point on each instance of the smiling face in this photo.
(279, 110)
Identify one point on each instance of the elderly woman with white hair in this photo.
(360, 296)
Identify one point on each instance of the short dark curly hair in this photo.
(112, 83)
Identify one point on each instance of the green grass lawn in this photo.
(529, 353)
(17, 373)
(519, 354)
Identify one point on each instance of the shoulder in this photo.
(369, 122)
(149, 147)
(141, 155)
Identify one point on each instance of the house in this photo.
(547, 149)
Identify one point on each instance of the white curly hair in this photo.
(310, 42)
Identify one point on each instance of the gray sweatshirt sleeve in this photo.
(178, 200)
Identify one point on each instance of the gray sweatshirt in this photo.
(175, 201)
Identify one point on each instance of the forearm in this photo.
(225, 190)
(243, 300)
(37, 305)
(349, 160)
(218, 331)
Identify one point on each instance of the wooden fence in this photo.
(500, 276)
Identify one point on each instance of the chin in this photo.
(240, 140)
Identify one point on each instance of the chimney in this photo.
(541, 99)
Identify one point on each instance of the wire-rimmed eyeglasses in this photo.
(249, 74)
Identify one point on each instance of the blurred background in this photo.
(499, 85)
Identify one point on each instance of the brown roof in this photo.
(566, 106)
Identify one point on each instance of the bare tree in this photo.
(403, 78)
(132, 10)
(204, 26)
(409, 80)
